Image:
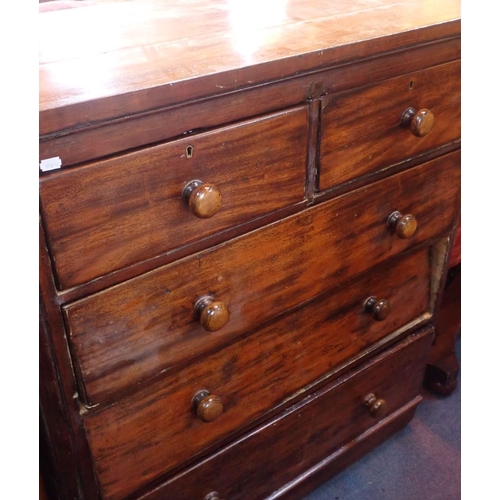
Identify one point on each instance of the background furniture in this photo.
(246, 219)
(443, 366)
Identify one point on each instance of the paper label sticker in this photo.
(50, 164)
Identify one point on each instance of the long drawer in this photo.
(134, 331)
(362, 129)
(130, 440)
(296, 440)
(111, 214)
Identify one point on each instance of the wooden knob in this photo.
(204, 200)
(207, 406)
(419, 122)
(376, 406)
(404, 226)
(213, 496)
(379, 308)
(212, 314)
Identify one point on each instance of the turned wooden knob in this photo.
(212, 314)
(213, 496)
(379, 308)
(204, 200)
(419, 122)
(207, 406)
(404, 226)
(376, 406)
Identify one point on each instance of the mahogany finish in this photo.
(204, 200)
(376, 406)
(213, 315)
(235, 374)
(419, 122)
(362, 128)
(403, 226)
(379, 308)
(84, 144)
(245, 223)
(304, 434)
(256, 277)
(113, 213)
(208, 406)
(161, 66)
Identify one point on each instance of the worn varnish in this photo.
(244, 251)
(306, 432)
(114, 213)
(253, 375)
(230, 46)
(84, 144)
(362, 131)
(136, 330)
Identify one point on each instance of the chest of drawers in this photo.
(245, 224)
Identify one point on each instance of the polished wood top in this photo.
(108, 59)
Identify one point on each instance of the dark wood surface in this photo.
(361, 130)
(106, 330)
(111, 214)
(83, 144)
(443, 366)
(263, 461)
(262, 371)
(181, 335)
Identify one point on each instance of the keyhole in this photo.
(189, 152)
(411, 85)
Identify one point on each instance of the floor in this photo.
(421, 462)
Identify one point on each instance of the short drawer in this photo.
(361, 130)
(148, 326)
(111, 214)
(160, 429)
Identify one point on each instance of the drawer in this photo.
(361, 130)
(111, 214)
(294, 441)
(280, 451)
(148, 326)
(254, 375)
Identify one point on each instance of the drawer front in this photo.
(147, 326)
(264, 460)
(114, 213)
(361, 131)
(131, 441)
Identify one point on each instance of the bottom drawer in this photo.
(278, 452)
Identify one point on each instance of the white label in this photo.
(50, 164)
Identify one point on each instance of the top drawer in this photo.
(362, 132)
(114, 213)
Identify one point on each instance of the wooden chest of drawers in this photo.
(245, 224)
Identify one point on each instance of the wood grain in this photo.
(256, 374)
(361, 130)
(149, 127)
(138, 400)
(114, 213)
(264, 460)
(133, 331)
(139, 56)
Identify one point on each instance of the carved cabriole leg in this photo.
(442, 369)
